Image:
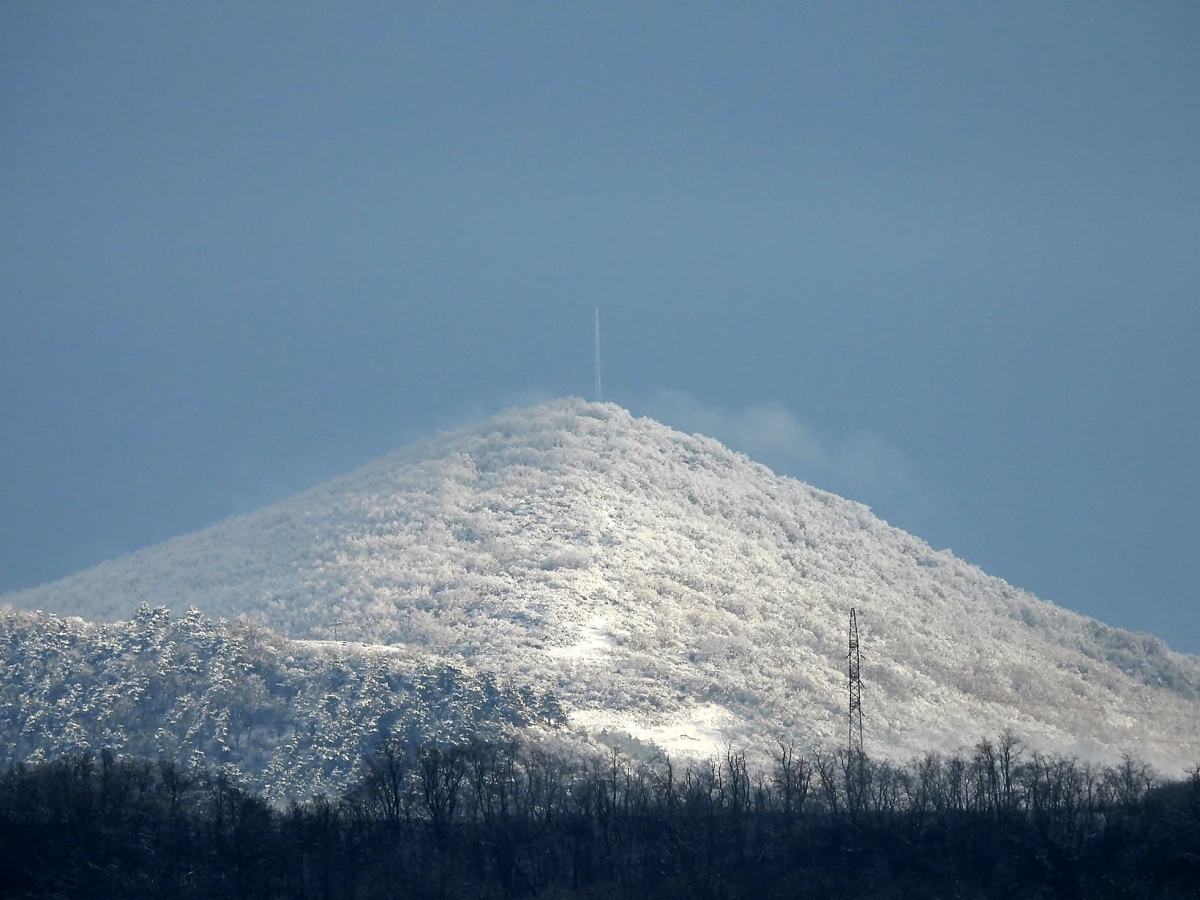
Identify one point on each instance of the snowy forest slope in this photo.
(663, 585)
(292, 719)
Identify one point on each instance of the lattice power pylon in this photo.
(854, 666)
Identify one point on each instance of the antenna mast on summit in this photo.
(599, 396)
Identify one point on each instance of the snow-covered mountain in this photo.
(291, 718)
(661, 585)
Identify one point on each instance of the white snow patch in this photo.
(595, 646)
(698, 731)
(355, 647)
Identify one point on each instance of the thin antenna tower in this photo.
(855, 736)
(599, 396)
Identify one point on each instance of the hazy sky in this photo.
(941, 258)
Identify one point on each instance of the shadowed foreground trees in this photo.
(502, 820)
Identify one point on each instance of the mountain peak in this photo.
(664, 586)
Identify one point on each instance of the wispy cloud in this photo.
(863, 466)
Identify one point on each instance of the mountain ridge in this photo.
(290, 718)
(666, 586)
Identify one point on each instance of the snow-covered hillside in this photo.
(291, 718)
(663, 585)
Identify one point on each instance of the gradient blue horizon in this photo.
(939, 258)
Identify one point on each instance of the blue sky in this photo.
(940, 258)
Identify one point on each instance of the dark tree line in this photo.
(504, 820)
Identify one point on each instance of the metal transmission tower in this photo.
(855, 736)
(599, 397)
